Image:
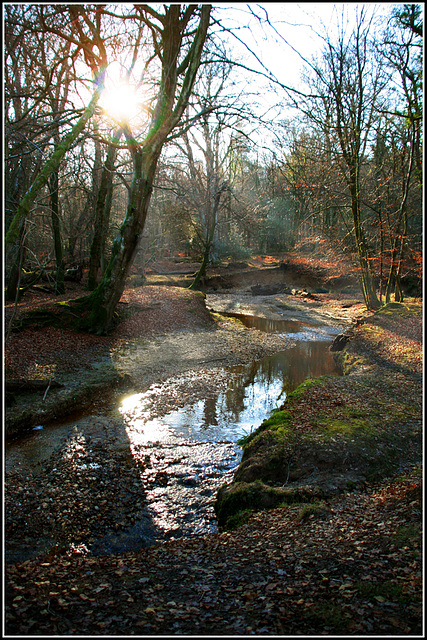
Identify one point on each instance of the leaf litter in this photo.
(352, 567)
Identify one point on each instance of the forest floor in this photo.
(352, 566)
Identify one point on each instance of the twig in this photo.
(47, 389)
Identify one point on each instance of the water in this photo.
(157, 467)
(252, 392)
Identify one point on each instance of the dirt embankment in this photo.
(336, 434)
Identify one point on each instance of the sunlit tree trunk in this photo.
(171, 104)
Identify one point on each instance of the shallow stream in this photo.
(172, 461)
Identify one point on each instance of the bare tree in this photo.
(74, 25)
(402, 49)
(348, 84)
(206, 152)
(178, 39)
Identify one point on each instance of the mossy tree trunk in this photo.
(175, 88)
(56, 230)
(102, 212)
(103, 301)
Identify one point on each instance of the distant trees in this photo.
(348, 84)
(204, 173)
(350, 167)
(402, 50)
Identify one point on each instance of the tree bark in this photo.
(102, 212)
(167, 114)
(103, 301)
(56, 229)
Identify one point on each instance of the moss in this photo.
(305, 386)
(394, 307)
(382, 591)
(238, 519)
(330, 615)
(350, 362)
(349, 428)
(407, 534)
(279, 422)
(313, 510)
(240, 497)
(278, 418)
(355, 412)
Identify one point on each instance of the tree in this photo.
(102, 211)
(348, 84)
(177, 44)
(204, 184)
(72, 24)
(32, 117)
(402, 49)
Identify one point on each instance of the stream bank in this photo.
(281, 573)
(332, 434)
(166, 483)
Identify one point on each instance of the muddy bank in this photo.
(163, 493)
(336, 434)
(344, 564)
(165, 330)
(331, 434)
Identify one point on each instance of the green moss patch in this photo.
(348, 428)
(401, 308)
(335, 434)
(243, 498)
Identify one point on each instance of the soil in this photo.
(343, 563)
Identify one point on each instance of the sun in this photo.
(120, 102)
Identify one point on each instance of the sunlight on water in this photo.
(253, 391)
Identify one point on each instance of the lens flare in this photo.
(120, 102)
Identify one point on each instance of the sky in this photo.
(295, 34)
(299, 27)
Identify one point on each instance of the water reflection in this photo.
(252, 392)
(165, 486)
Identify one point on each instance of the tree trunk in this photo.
(104, 299)
(16, 257)
(56, 229)
(367, 281)
(167, 114)
(102, 212)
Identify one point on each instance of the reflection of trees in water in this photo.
(308, 359)
(210, 411)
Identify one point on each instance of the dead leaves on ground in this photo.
(356, 569)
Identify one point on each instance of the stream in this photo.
(153, 469)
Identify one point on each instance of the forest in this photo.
(213, 319)
(123, 144)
